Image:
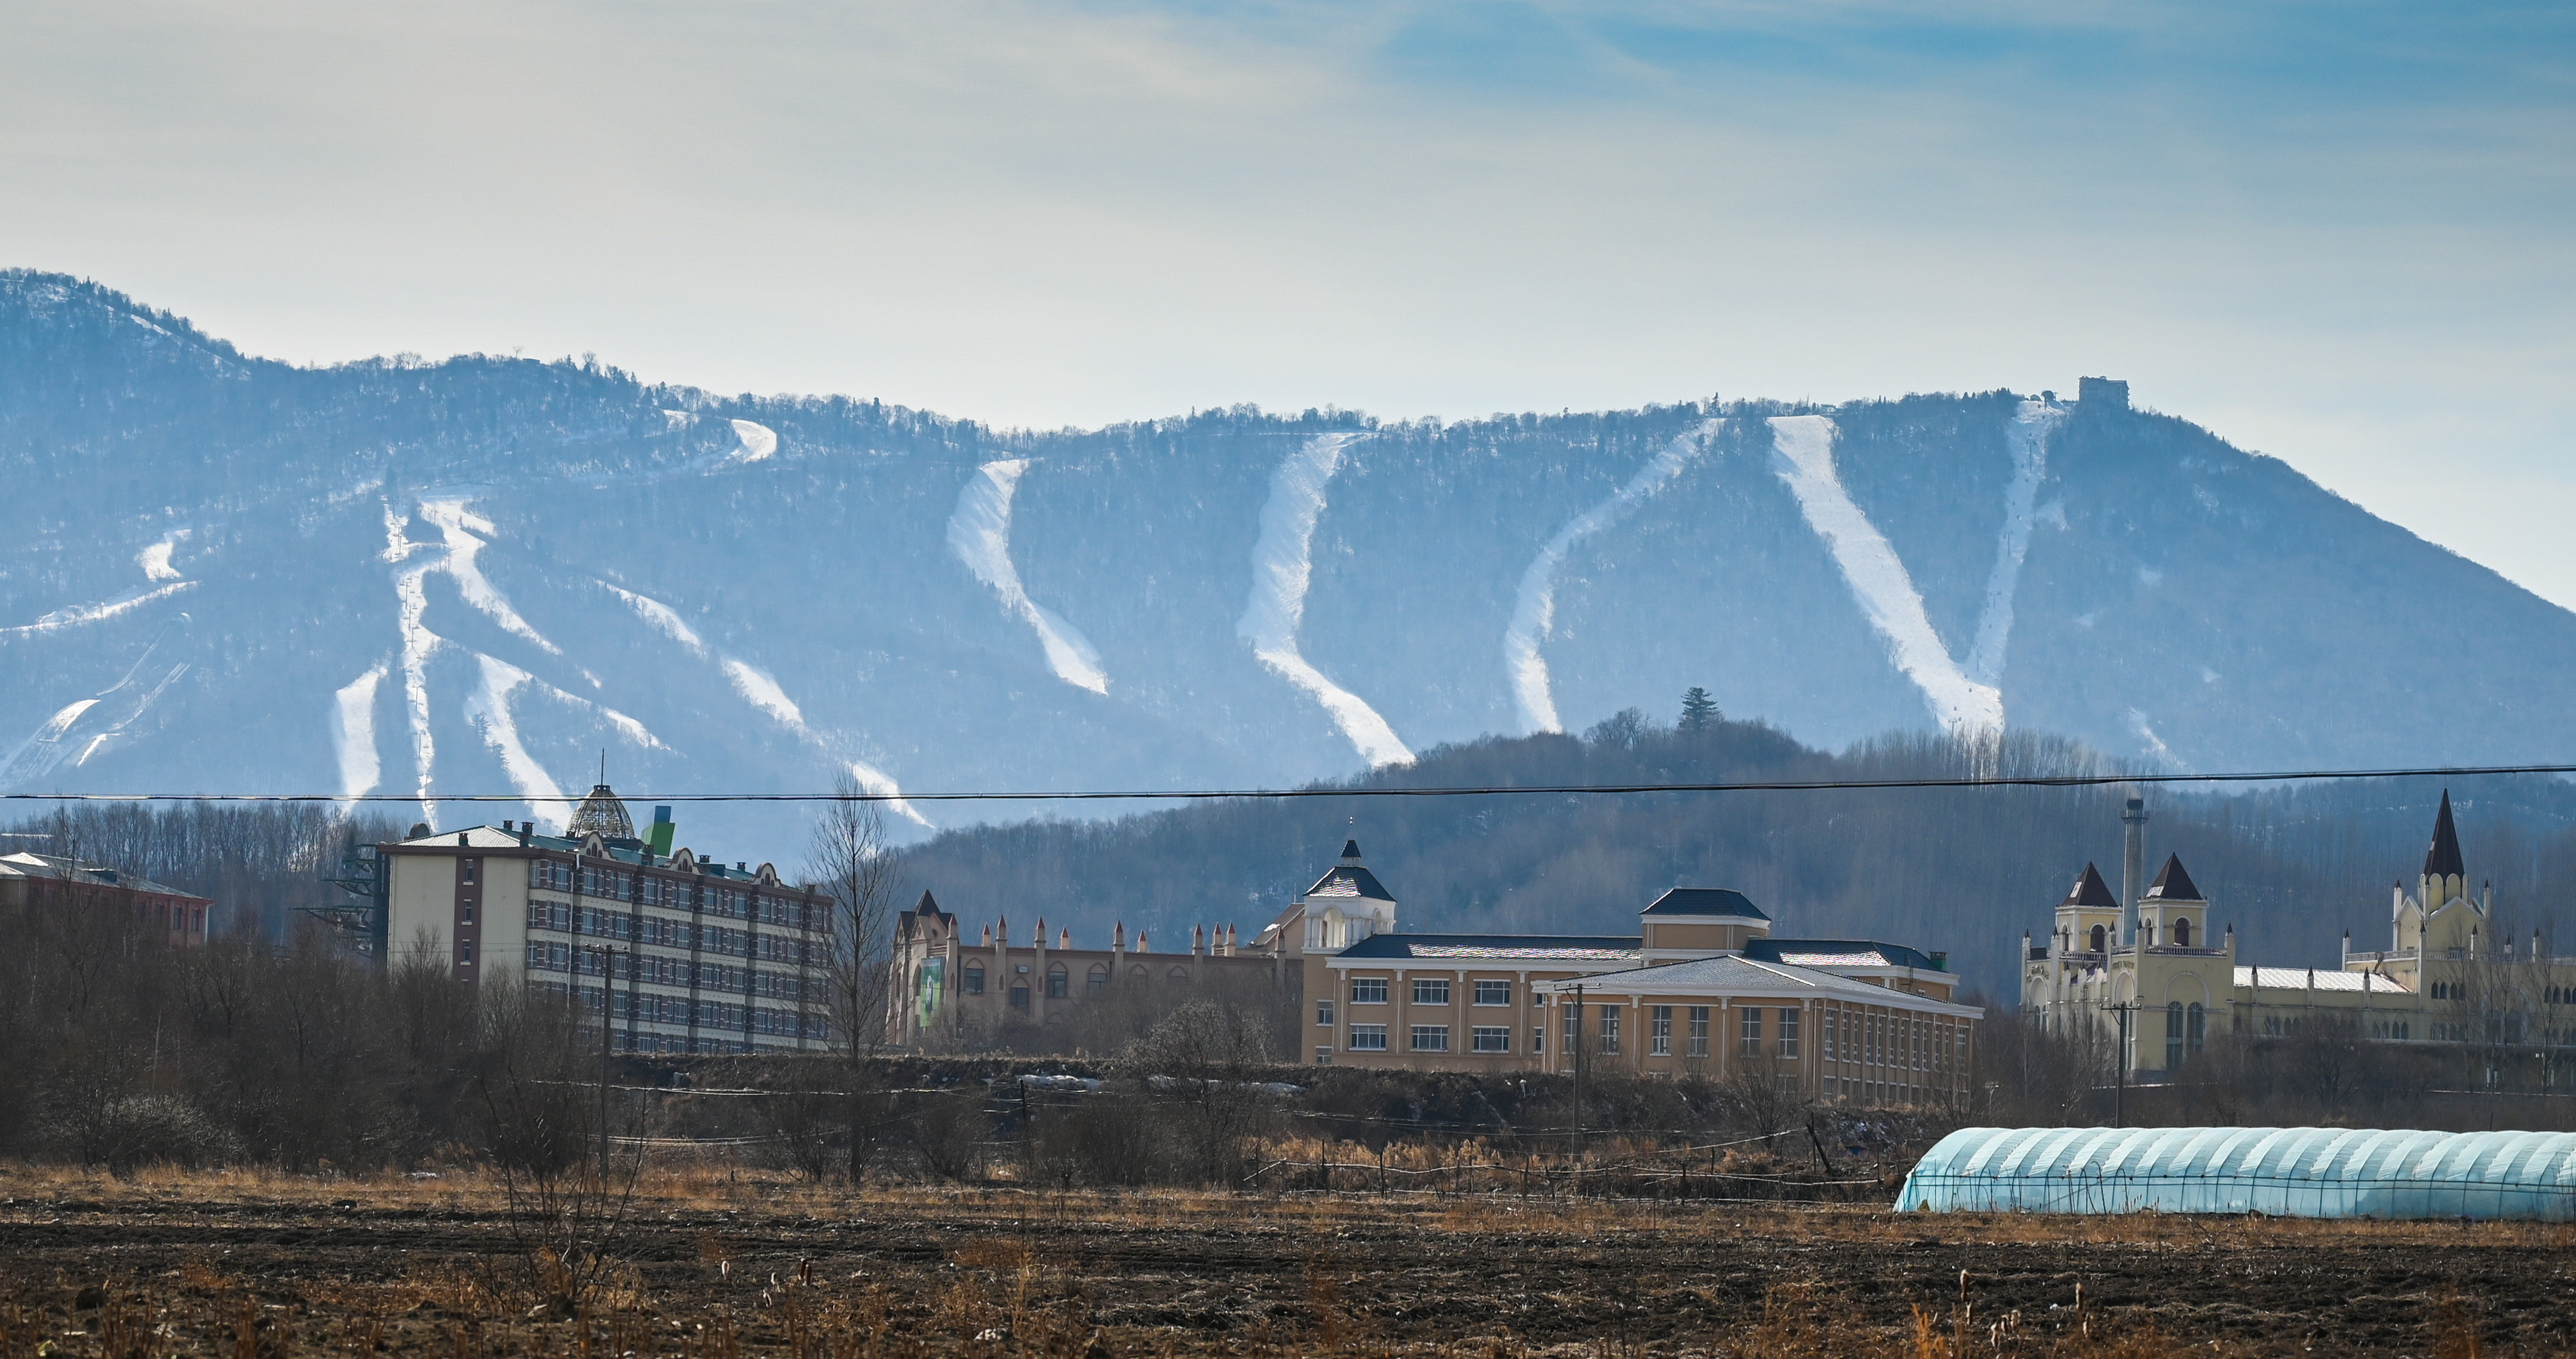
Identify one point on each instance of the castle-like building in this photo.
(2147, 972)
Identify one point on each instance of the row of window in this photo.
(1059, 982)
(722, 1015)
(1435, 1038)
(1905, 1042)
(664, 932)
(1428, 991)
(703, 898)
(548, 955)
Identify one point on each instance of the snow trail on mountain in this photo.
(459, 525)
(2028, 436)
(1803, 456)
(1534, 606)
(979, 532)
(663, 617)
(77, 614)
(758, 441)
(487, 709)
(762, 692)
(1282, 565)
(353, 733)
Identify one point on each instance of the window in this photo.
(2182, 932)
(2098, 940)
(1829, 1035)
(1493, 993)
(974, 979)
(1323, 1056)
(1788, 1033)
(1574, 1029)
(1430, 990)
(2195, 1026)
(1019, 995)
(1699, 1031)
(1753, 1032)
(466, 913)
(1368, 1038)
(1098, 981)
(1059, 982)
(1430, 1038)
(1610, 1029)
(465, 869)
(1659, 1031)
(1323, 1014)
(1491, 1038)
(2173, 1034)
(1368, 990)
(1538, 1038)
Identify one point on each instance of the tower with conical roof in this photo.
(2441, 916)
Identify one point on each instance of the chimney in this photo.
(2133, 866)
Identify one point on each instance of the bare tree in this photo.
(851, 861)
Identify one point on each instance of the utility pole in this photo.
(2120, 1065)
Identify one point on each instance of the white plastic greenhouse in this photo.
(2286, 1172)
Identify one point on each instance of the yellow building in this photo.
(685, 954)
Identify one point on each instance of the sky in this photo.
(2339, 233)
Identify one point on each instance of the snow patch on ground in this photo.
(1534, 606)
(77, 615)
(2153, 744)
(2027, 435)
(1282, 566)
(42, 749)
(488, 710)
(758, 441)
(1803, 457)
(979, 532)
(353, 733)
(155, 560)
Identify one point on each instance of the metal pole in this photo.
(2120, 1064)
(1578, 1072)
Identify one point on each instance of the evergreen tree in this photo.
(1699, 711)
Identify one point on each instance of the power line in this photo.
(1257, 794)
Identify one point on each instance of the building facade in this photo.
(683, 954)
(2150, 978)
(43, 880)
(949, 990)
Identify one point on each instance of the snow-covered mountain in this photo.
(226, 574)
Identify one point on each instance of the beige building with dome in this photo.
(686, 954)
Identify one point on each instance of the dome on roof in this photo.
(603, 813)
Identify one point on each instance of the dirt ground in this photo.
(712, 1265)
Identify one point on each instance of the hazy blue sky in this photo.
(2338, 233)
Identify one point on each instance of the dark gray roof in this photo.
(1350, 880)
(2442, 858)
(1706, 901)
(2090, 890)
(2173, 884)
(1831, 953)
(1574, 947)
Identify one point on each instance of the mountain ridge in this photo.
(226, 547)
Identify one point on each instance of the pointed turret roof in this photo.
(2173, 884)
(2091, 891)
(2442, 858)
(601, 814)
(1350, 879)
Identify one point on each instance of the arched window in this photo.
(2182, 933)
(1059, 982)
(1019, 995)
(2098, 937)
(1098, 981)
(974, 979)
(2173, 1035)
(1136, 973)
(1180, 974)
(2195, 1026)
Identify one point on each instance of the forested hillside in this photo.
(1964, 871)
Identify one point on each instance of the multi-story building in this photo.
(684, 954)
(2148, 976)
(45, 880)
